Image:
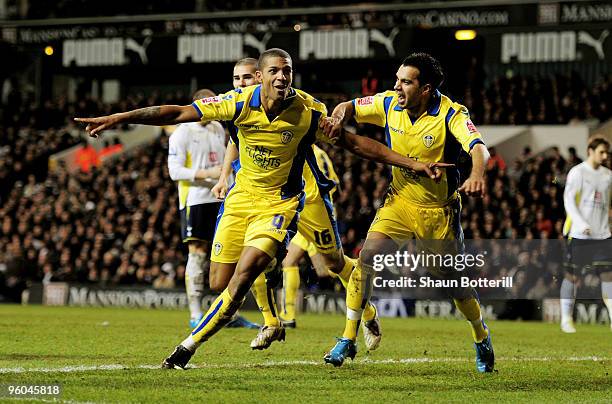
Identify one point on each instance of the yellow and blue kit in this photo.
(264, 202)
(417, 206)
(317, 228)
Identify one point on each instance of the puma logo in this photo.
(597, 44)
(141, 50)
(252, 41)
(387, 42)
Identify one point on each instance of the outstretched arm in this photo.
(157, 115)
(372, 150)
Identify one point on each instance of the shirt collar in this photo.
(256, 98)
(434, 107)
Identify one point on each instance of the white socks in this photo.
(194, 283)
(568, 297)
(606, 295)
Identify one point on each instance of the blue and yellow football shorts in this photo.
(437, 230)
(402, 220)
(246, 219)
(317, 227)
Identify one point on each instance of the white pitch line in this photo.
(365, 361)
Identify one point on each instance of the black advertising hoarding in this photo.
(541, 45)
(525, 33)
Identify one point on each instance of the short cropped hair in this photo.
(203, 93)
(246, 62)
(597, 140)
(430, 70)
(273, 52)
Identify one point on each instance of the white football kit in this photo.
(193, 147)
(587, 202)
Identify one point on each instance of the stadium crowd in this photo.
(118, 223)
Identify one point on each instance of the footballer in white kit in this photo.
(587, 203)
(195, 155)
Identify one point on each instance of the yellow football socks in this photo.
(349, 264)
(357, 294)
(218, 315)
(471, 310)
(265, 300)
(291, 284)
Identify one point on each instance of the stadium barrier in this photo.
(318, 302)
(511, 140)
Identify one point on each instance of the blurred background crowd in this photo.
(117, 223)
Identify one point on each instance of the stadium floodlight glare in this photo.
(465, 34)
(297, 27)
(49, 50)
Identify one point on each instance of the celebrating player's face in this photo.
(244, 76)
(276, 77)
(408, 87)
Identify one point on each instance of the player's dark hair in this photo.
(596, 141)
(430, 70)
(273, 52)
(203, 93)
(246, 62)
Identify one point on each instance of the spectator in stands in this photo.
(573, 159)
(369, 84)
(86, 157)
(110, 149)
(496, 162)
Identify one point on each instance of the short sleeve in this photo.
(462, 128)
(371, 109)
(321, 112)
(221, 107)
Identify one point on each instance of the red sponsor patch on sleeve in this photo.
(209, 100)
(470, 126)
(365, 101)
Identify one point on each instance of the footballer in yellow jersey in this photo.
(318, 236)
(426, 125)
(275, 127)
(316, 233)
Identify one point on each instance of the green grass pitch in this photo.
(113, 355)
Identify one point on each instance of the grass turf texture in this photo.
(536, 361)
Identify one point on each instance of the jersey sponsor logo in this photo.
(428, 140)
(365, 101)
(597, 197)
(286, 137)
(400, 131)
(262, 157)
(245, 126)
(209, 100)
(410, 174)
(217, 248)
(470, 126)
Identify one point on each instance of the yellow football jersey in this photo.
(321, 177)
(272, 153)
(436, 136)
